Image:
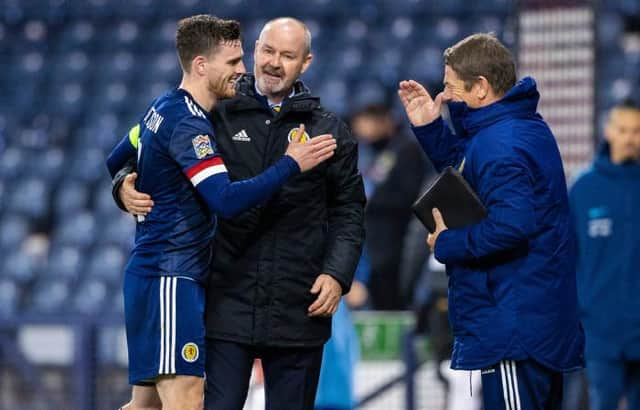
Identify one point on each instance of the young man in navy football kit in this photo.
(179, 165)
(512, 277)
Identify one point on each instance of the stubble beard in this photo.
(222, 89)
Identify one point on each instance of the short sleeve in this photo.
(193, 147)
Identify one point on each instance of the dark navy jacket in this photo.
(512, 280)
(604, 203)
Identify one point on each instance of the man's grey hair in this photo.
(307, 32)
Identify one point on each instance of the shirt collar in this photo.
(271, 103)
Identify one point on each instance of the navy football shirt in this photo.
(175, 139)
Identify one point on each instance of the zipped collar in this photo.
(521, 101)
(247, 97)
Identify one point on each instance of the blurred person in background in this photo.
(278, 270)
(605, 202)
(513, 304)
(393, 168)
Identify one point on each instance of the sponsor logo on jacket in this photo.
(599, 224)
(241, 136)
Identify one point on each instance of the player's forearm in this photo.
(119, 156)
(118, 180)
(228, 199)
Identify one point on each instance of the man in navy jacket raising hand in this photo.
(512, 276)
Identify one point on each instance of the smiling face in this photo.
(281, 56)
(223, 67)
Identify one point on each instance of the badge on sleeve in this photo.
(202, 146)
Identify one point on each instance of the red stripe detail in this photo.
(202, 165)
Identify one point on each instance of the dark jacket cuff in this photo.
(117, 181)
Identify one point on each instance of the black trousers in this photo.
(290, 375)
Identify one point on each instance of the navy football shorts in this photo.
(521, 385)
(164, 319)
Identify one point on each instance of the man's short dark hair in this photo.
(201, 35)
(482, 55)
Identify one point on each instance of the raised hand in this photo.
(310, 153)
(418, 104)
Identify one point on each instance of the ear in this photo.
(306, 62)
(198, 65)
(482, 88)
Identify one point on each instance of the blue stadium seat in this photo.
(77, 230)
(406, 7)
(119, 36)
(102, 129)
(13, 230)
(19, 266)
(5, 39)
(50, 296)
(627, 7)
(3, 194)
(163, 66)
(352, 31)
(159, 37)
(107, 263)
(333, 94)
(494, 7)
(77, 36)
(65, 262)
(386, 66)
(112, 95)
(90, 297)
(30, 198)
(12, 162)
(32, 35)
(67, 98)
(117, 65)
(10, 297)
(426, 65)
(29, 67)
(448, 31)
(47, 163)
(88, 164)
(70, 66)
(105, 208)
